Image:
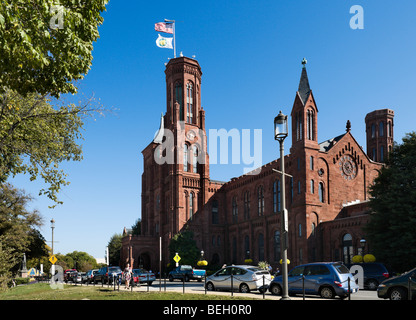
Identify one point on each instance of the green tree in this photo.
(46, 44)
(392, 225)
(82, 261)
(35, 137)
(16, 229)
(136, 229)
(184, 244)
(114, 247)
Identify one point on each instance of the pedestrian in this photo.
(127, 276)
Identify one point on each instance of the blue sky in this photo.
(250, 53)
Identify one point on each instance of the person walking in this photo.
(127, 276)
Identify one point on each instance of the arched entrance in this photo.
(143, 261)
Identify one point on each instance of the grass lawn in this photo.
(42, 291)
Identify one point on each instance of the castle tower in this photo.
(379, 130)
(304, 115)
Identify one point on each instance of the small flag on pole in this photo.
(166, 27)
(163, 42)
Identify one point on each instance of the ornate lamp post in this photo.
(280, 134)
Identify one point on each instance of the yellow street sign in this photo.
(53, 259)
(177, 258)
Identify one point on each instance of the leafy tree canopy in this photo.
(184, 244)
(392, 226)
(47, 44)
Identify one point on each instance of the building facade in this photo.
(326, 193)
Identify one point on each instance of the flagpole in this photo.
(174, 40)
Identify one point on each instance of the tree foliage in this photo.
(184, 244)
(16, 229)
(392, 226)
(35, 136)
(46, 44)
(114, 247)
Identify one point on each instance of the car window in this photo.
(316, 270)
(224, 272)
(298, 271)
(186, 268)
(238, 271)
(341, 268)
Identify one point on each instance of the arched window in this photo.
(276, 246)
(185, 157)
(189, 103)
(260, 199)
(214, 212)
(347, 248)
(321, 192)
(312, 187)
(247, 247)
(191, 205)
(261, 247)
(275, 196)
(313, 228)
(195, 159)
(300, 230)
(247, 205)
(381, 129)
(310, 125)
(179, 99)
(235, 210)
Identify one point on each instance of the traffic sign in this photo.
(177, 258)
(53, 259)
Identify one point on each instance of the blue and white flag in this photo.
(163, 42)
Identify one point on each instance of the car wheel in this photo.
(186, 278)
(398, 294)
(372, 284)
(276, 290)
(244, 288)
(210, 286)
(327, 293)
(170, 278)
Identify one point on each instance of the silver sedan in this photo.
(243, 278)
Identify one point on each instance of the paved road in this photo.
(198, 288)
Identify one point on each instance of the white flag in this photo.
(163, 42)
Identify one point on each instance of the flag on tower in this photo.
(166, 27)
(163, 42)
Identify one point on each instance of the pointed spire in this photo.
(304, 89)
(159, 135)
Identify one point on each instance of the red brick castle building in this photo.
(326, 196)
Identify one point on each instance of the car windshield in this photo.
(186, 268)
(341, 268)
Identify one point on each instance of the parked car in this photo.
(327, 279)
(397, 288)
(89, 275)
(374, 274)
(107, 274)
(77, 277)
(143, 276)
(68, 274)
(186, 272)
(243, 278)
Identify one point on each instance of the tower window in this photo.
(191, 205)
(185, 157)
(178, 98)
(195, 159)
(381, 153)
(235, 210)
(310, 127)
(189, 103)
(214, 212)
(312, 187)
(381, 129)
(373, 130)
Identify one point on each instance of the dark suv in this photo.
(374, 274)
(107, 274)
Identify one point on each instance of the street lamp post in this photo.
(362, 243)
(280, 134)
(52, 227)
